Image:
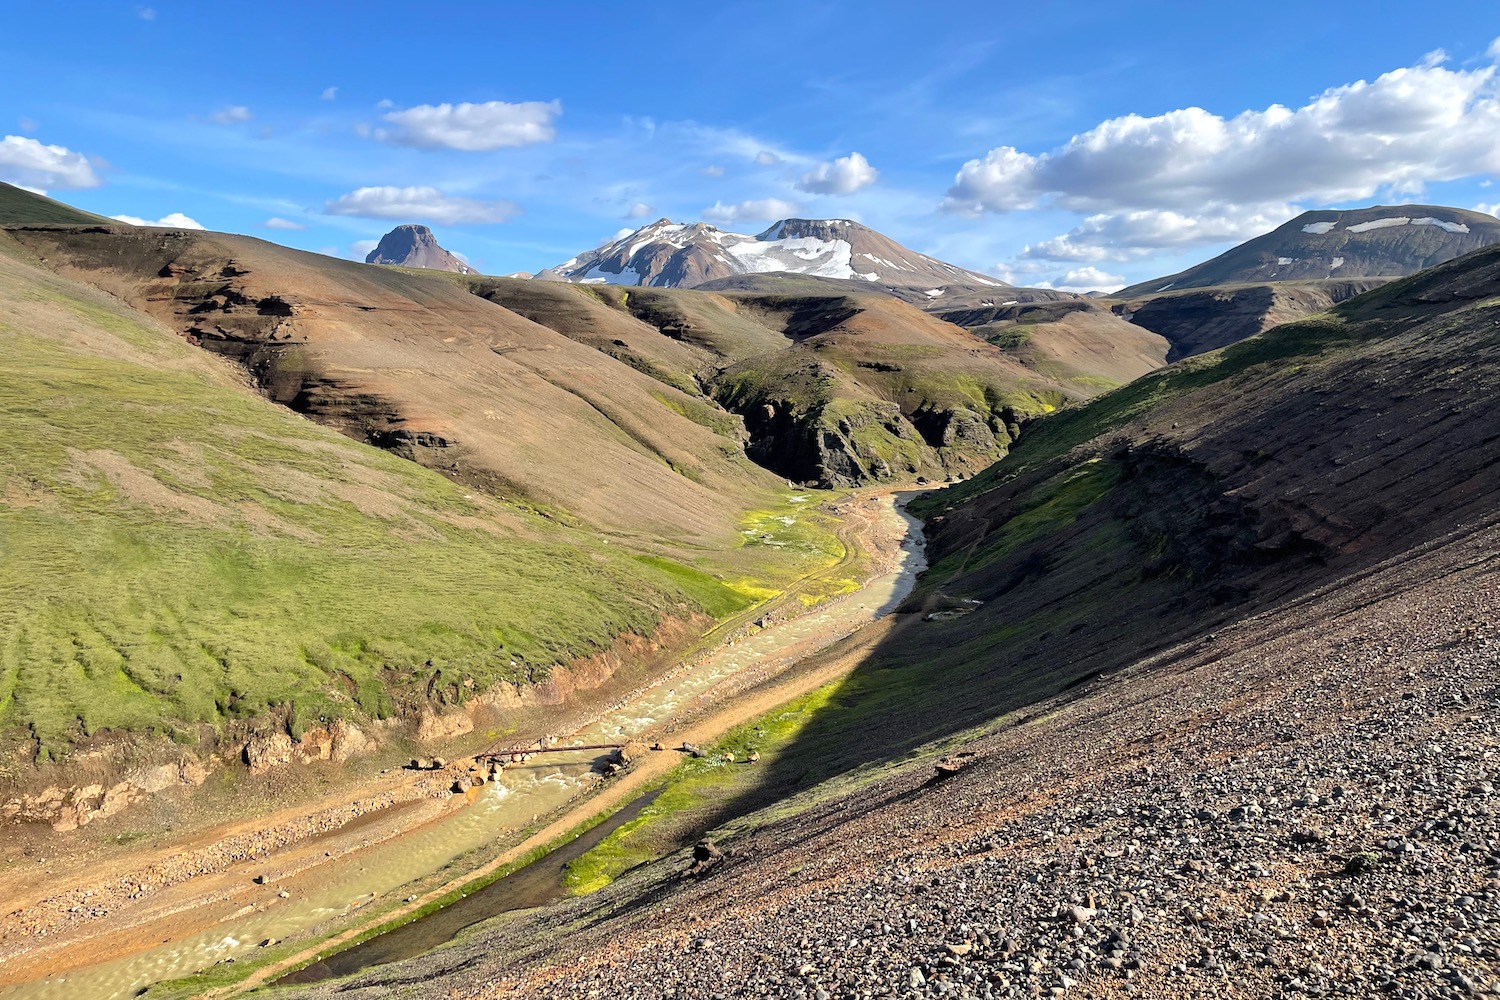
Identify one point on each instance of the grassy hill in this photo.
(177, 551)
(19, 206)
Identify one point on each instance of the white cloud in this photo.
(276, 222)
(712, 170)
(1494, 50)
(1131, 235)
(26, 124)
(764, 209)
(329, 93)
(232, 115)
(37, 167)
(1489, 209)
(1413, 126)
(360, 249)
(766, 158)
(638, 210)
(427, 203)
(175, 220)
(472, 127)
(845, 175)
(1086, 279)
(146, 13)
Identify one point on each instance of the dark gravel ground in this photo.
(1302, 804)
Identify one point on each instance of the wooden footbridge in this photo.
(497, 754)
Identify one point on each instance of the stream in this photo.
(500, 810)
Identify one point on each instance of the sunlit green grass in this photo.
(175, 551)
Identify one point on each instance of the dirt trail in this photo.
(44, 938)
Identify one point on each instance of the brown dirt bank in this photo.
(125, 897)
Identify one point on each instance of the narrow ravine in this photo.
(324, 899)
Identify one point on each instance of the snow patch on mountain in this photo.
(1365, 227)
(1451, 227)
(1319, 228)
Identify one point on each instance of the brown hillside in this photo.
(416, 363)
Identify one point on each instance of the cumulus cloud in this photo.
(1489, 209)
(276, 222)
(713, 170)
(763, 209)
(1131, 235)
(1494, 50)
(329, 93)
(638, 210)
(38, 167)
(429, 203)
(360, 249)
(845, 175)
(232, 115)
(1207, 177)
(1409, 127)
(1086, 279)
(174, 220)
(472, 127)
(766, 158)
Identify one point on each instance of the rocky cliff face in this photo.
(415, 246)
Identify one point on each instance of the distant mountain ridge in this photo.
(1384, 241)
(415, 246)
(666, 254)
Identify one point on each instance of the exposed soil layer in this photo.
(122, 899)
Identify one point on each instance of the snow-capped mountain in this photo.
(672, 255)
(1381, 241)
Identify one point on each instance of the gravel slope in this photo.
(1301, 806)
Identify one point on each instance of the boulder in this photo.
(264, 751)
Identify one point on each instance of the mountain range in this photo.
(665, 254)
(1380, 241)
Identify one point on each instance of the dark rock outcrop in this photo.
(415, 246)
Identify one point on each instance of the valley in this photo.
(710, 615)
(329, 869)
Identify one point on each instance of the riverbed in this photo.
(498, 813)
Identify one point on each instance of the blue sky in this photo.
(1073, 144)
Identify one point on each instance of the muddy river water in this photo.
(502, 809)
